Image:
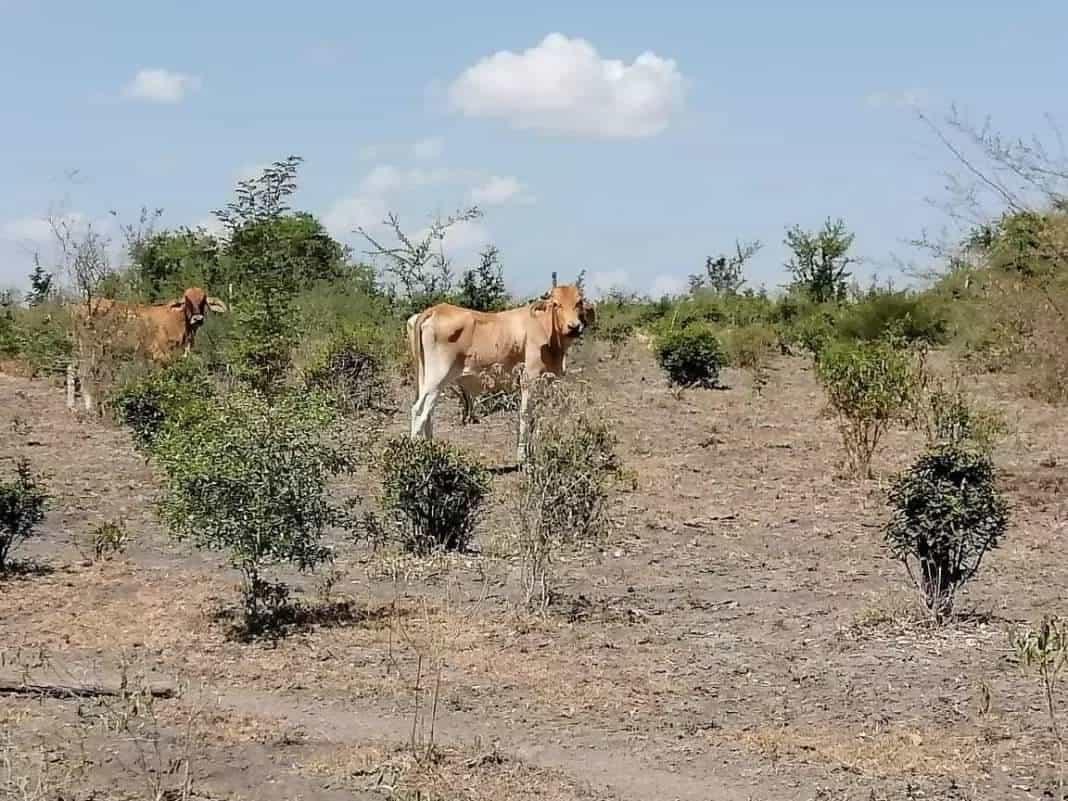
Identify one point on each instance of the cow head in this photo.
(572, 313)
(195, 303)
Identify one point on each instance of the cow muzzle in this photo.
(196, 319)
(575, 329)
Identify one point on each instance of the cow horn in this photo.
(554, 279)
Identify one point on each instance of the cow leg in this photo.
(71, 379)
(429, 393)
(524, 424)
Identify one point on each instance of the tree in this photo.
(820, 260)
(418, 268)
(40, 284)
(263, 268)
(166, 263)
(723, 274)
(483, 287)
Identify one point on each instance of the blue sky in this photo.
(738, 121)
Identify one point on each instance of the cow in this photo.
(451, 345)
(158, 332)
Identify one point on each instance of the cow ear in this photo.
(217, 305)
(539, 306)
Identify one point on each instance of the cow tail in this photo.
(417, 351)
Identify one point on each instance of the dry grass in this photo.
(894, 752)
(473, 773)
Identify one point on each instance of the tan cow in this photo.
(451, 345)
(158, 332)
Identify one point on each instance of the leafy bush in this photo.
(910, 317)
(869, 386)
(42, 339)
(252, 478)
(22, 506)
(947, 513)
(571, 464)
(351, 371)
(146, 404)
(813, 330)
(691, 356)
(950, 418)
(434, 490)
(752, 346)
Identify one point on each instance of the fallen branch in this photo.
(76, 691)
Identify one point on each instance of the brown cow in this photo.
(452, 345)
(158, 331)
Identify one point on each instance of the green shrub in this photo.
(910, 317)
(690, 356)
(752, 346)
(952, 419)
(252, 478)
(349, 369)
(42, 336)
(869, 386)
(433, 490)
(947, 513)
(812, 330)
(108, 539)
(22, 507)
(566, 482)
(146, 404)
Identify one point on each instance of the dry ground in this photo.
(741, 636)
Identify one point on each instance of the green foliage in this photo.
(350, 369)
(947, 513)
(566, 483)
(42, 339)
(434, 490)
(869, 386)
(691, 356)
(252, 478)
(300, 249)
(165, 264)
(907, 316)
(22, 507)
(752, 346)
(483, 288)
(724, 274)
(9, 339)
(952, 419)
(147, 404)
(259, 351)
(40, 284)
(820, 259)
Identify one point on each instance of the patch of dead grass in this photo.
(892, 752)
(471, 773)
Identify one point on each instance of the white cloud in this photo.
(498, 190)
(357, 211)
(463, 237)
(667, 285)
(563, 86)
(428, 149)
(160, 86)
(901, 98)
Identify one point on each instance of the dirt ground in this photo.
(742, 634)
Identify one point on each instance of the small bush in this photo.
(107, 540)
(146, 404)
(752, 346)
(571, 464)
(869, 386)
(22, 507)
(908, 317)
(252, 478)
(947, 513)
(434, 490)
(951, 419)
(691, 356)
(812, 331)
(351, 371)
